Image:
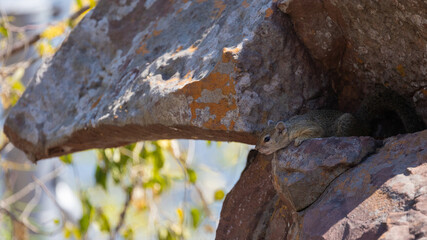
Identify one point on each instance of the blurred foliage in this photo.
(141, 173)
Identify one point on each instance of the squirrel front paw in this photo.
(298, 142)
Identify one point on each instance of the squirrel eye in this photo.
(267, 138)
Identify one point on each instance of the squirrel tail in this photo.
(384, 100)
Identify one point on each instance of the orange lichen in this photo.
(218, 110)
(156, 32)
(143, 49)
(178, 49)
(245, 4)
(401, 70)
(219, 8)
(227, 54)
(179, 10)
(268, 13)
(192, 48)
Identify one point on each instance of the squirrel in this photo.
(328, 123)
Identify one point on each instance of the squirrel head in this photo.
(273, 138)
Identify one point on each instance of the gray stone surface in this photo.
(366, 42)
(142, 70)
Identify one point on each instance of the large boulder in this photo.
(144, 70)
(384, 195)
(304, 173)
(366, 42)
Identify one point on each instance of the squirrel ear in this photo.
(270, 122)
(280, 126)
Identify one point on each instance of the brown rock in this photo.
(252, 203)
(366, 42)
(382, 196)
(303, 173)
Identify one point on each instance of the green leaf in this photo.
(84, 223)
(101, 177)
(166, 234)
(103, 222)
(67, 159)
(158, 157)
(219, 195)
(192, 175)
(196, 216)
(88, 210)
(92, 3)
(67, 232)
(128, 234)
(79, 3)
(3, 31)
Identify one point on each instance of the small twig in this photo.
(31, 205)
(23, 44)
(50, 195)
(122, 216)
(10, 165)
(27, 189)
(19, 46)
(204, 202)
(14, 218)
(77, 14)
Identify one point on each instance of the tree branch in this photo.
(122, 216)
(24, 44)
(5, 203)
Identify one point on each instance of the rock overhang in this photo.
(145, 70)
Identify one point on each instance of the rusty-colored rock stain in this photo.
(157, 32)
(215, 80)
(245, 4)
(268, 13)
(401, 70)
(143, 49)
(219, 7)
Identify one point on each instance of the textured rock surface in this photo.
(249, 207)
(303, 173)
(367, 42)
(209, 69)
(383, 196)
(139, 70)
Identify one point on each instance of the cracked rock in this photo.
(384, 196)
(303, 173)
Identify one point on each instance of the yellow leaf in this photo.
(54, 31)
(165, 144)
(180, 213)
(219, 195)
(44, 48)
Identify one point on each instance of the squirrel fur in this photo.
(328, 123)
